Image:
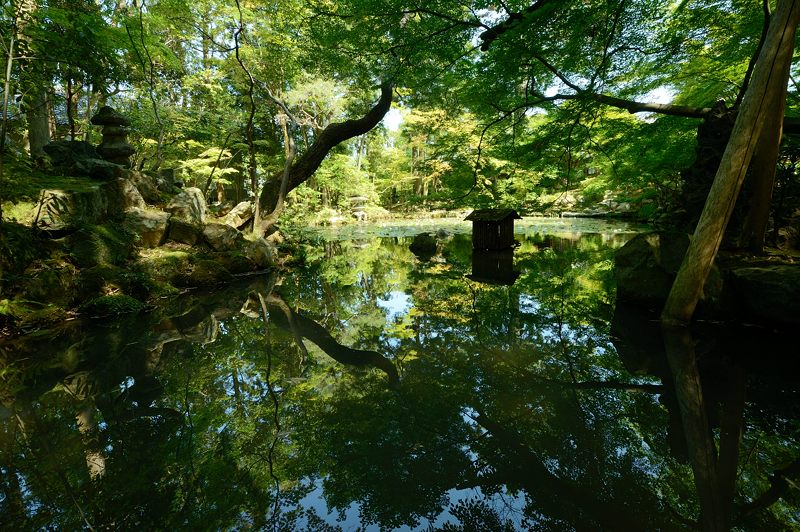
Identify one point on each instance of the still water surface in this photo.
(368, 389)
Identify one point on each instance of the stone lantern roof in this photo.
(107, 116)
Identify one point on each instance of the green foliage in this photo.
(19, 246)
(196, 171)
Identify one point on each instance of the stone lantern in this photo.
(114, 146)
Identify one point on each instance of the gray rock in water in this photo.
(423, 246)
(259, 251)
(151, 226)
(189, 206)
(646, 266)
(768, 294)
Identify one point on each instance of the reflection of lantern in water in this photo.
(494, 266)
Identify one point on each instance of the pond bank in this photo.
(98, 248)
(740, 287)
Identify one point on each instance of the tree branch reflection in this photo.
(301, 327)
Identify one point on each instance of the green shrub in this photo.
(114, 305)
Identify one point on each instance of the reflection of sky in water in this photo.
(398, 304)
(527, 226)
(508, 507)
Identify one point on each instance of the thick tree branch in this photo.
(778, 486)
(638, 107)
(333, 135)
(511, 22)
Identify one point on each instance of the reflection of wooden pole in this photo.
(730, 437)
(702, 452)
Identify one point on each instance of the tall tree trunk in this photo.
(32, 83)
(766, 88)
(694, 418)
(6, 91)
(72, 105)
(89, 108)
(38, 123)
(304, 167)
(762, 174)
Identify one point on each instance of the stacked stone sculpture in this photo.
(114, 146)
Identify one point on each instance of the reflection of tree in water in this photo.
(508, 394)
(722, 405)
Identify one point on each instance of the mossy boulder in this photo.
(222, 237)
(19, 247)
(205, 273)
(183, 232)
(14, 313)
(259, 252)
(189, 206)
(768, 294)
(53, 281)
(70, 207)
(130, 196)
(239, 215)
(164, 264)
(147, 185)
(100, 244)
(98, 280)
(235, 262)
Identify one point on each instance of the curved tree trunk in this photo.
(304, 166)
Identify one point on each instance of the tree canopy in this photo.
(542, 106)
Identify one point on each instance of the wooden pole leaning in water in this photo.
(764, 92)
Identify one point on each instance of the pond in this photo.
(370, 389)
